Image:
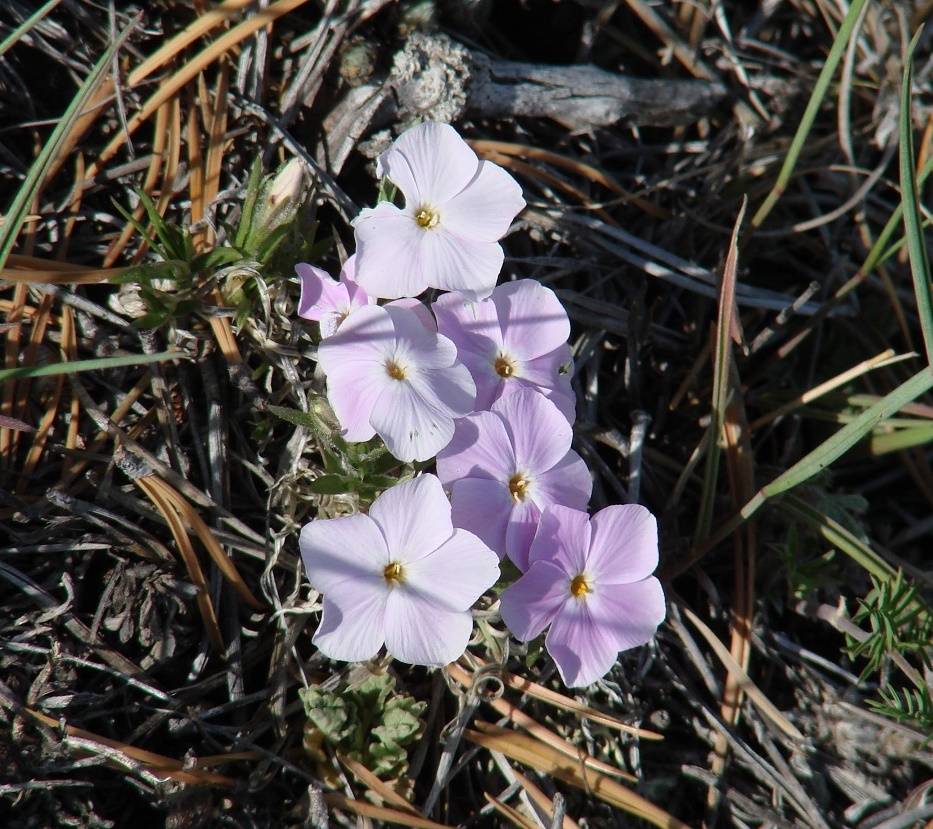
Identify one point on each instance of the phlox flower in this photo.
(515, 338)
(401, 576)
(590, 580)
(388, 373)
(504, 466)
(446, 236)
(325, 300)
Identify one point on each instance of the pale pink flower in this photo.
(327, 301)
(446, 236)
(504, 466)
(590, 580)
(388, 373)
(401, 576)
(516, 338)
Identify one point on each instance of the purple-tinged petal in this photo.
(532, 318)
(336, 550)
(563, 537)
(422, 633)
(365, 337)
(627, 614)
(551, 370)
(320, 294)
(456, 574)
(455, 263)
(538, 431)
(483, 507)
(489, 385)
(624, 547)
(353, 624)
(430, 163)
(484, 209)
(528, 606)
(520, 532)
(579, 647)
(411, 428)
(473, 325)
(389, 252)
(568, 483)
(353, 394)
(480, 448)
(450, 390)
(417, 344)
(421, 310)
(413, 518)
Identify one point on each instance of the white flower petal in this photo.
(353, 625)
(414, 518)
(389, 252)
(454, 263)
(421, 633)
(485, 208)
(430, 163)
(412, 429)
(456, 574)
(336, 550)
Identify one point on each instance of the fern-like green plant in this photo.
(901, 622)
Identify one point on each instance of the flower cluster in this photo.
(480, 380)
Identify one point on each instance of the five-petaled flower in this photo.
(590, 580)
(401, 576)
(325, 300)
(516, 338)
(388, 373)
(447, 234)
(504, 466)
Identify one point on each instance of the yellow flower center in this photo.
(426, 218)
(579, 586)
(518, 486)
(504, 366)
(394, 370)
(393, 573)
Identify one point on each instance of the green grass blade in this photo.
(826, 453)
(839, 537)
(722, 358)
(52, 369)
(916, 249)
(16, 35)
(841, 442)
(16, 215)
(813, 107)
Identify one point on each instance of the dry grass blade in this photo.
(545, 735)
(51, 406)
(340, 801)
(526, 686)
(531, 752)
(191, 69)
(882, 360)
(512, 814)
(755, 694)
(88, 276)
(186, 550)
(375, 785)
(223, 562)
(196, 29)
(543, 801)
(164, 767)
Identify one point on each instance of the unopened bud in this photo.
(283, 195)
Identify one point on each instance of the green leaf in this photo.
(20, 31)
(99, 364)
(331, 485)
(916, 247)
(216, 258)
(846, 31)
